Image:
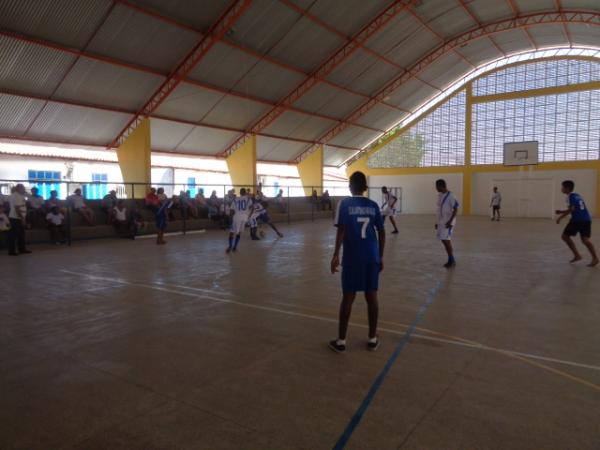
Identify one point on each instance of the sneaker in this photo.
(279, 235)
(228, 250)
(338, 348)
(25, 252)
(450, 264)
(395, 232)
(372, 346)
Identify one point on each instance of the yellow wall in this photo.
(311, 172)
(242, 165)
(134, 159)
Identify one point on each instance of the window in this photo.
(45, 181)
(191, 186)
(98, 188)
(436, 140)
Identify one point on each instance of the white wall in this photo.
(530, 193)
(418, 191)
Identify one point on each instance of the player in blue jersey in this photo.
(260, 215)
(581, 222)
(240, 209)
(361, 233)
(162, 218)
(447, 207)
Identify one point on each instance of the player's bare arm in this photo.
(449, 223)
(339, 238)
(381, 237)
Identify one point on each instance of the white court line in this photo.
(326, 319)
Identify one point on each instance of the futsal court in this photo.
(114, 344)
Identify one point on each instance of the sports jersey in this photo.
(389, 200)
(496, 199)
(446, 205)
(580, 212)
(241, 205)
(360, 218)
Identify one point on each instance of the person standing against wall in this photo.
(18, 217)
(495, 204)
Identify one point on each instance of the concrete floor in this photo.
(126, 345)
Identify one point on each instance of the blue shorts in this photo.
(161, 222)
(360, 278)
(264, 218)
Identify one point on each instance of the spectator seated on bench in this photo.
(35, 208)
(76, 202)
(326, 201)
(108, 203)
(120, 220)
(56, 225)
(187, 206)
(54, 201)
(4, 226)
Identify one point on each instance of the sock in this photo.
(373, 340)
(451, 259)
(230, 241)
(237, 241)
(341, 342)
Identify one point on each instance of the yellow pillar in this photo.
(134, 160)
(242, 165)
(311, 172)
(467, 173)
(598, 188)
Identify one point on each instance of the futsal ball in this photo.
(261, 233)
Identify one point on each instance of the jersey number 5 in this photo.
(365, 224)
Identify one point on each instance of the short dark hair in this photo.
(243, 191)
(441, 182)
(568, 184)
(358, 181)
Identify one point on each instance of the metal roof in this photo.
(298, 73)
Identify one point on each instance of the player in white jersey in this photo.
(495, 203)
(447, 207)
(260, 215)
(240, 209)
(388, 209)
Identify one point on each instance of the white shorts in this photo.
(389, 212)
(238, 224)
(443, 233)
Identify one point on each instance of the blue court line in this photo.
(345, 437)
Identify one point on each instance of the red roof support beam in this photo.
(323, 70)
(474, 18)
(516, 12)
(588, 18)
(235, 45)
(214, 34)
(558, 7)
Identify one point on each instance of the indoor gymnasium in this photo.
(299, 224)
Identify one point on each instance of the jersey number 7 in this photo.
(365, 224)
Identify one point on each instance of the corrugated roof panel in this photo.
(488, 11)
(106, 84)
(141, 39)
(529, 6)
(453, 22)
(277, 149)
(335, 156)
(373, 79)
(300, 126)
(189, 102)
(398, 32)
(31, 68)
(306, 45)
(349, 16)
(431, 10)
(575, 4)
(167, 135)
(411, 94)
(584, 34)
(75, 123)
(16, 113)
(264, 24)
(269, 81)
(63, 21)
(235, 112)
(446, 71)
(197, 14)
(479, 51)
(513, 41)
(330, 101)
(354, 137)
(353, 67)
(550, 35)
(206, 141)
(223, 66)
(380, 116)
(419, 44)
